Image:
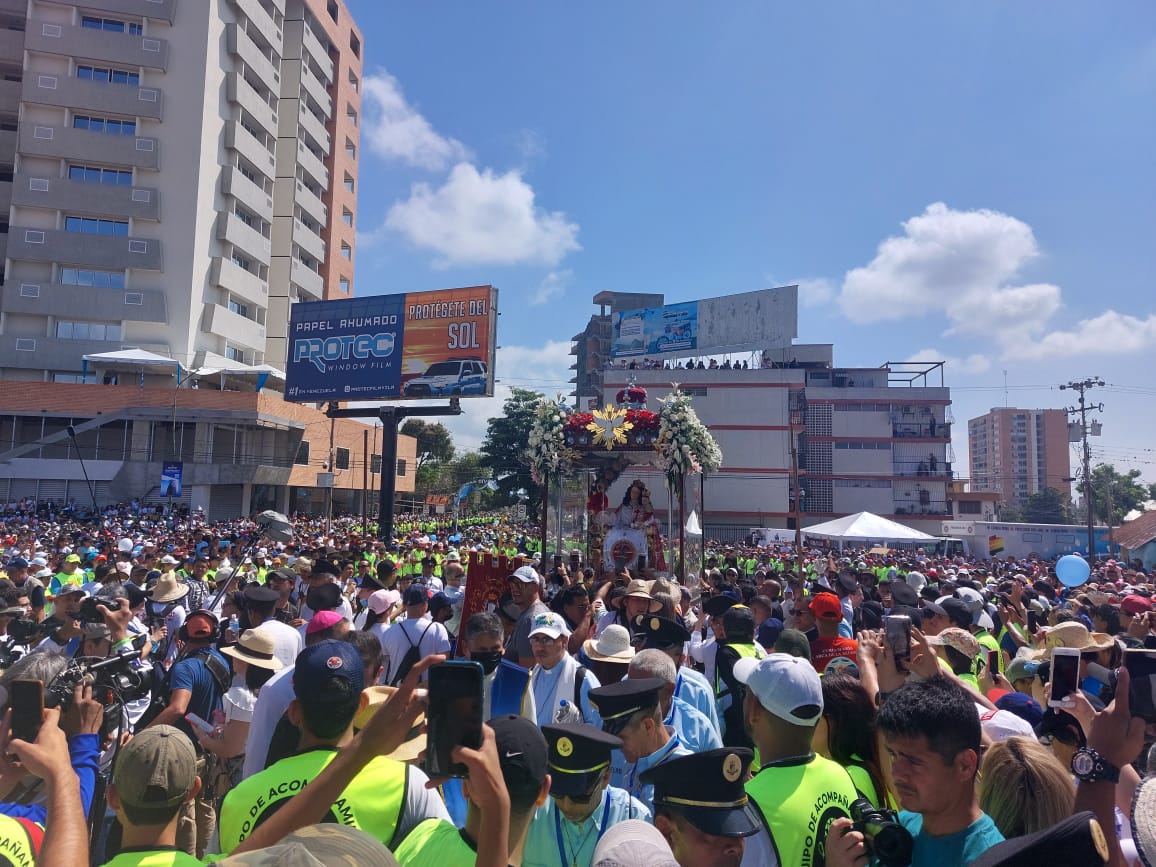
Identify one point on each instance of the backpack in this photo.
(412, 656)
(221, 676)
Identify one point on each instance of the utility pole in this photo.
(1082, 410)
(796, 504)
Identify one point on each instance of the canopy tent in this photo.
(131, 360)
(257, 374)
(866, 527)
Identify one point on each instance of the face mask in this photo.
(488, 660)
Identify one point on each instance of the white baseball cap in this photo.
(786, 686)
(525, 574)
(549, 623)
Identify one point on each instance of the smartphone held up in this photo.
(453, 715)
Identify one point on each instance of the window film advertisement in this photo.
(414, 345)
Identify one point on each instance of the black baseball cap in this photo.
(327, 597)
(523, 751)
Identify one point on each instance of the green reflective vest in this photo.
(154, 858)
(372, 802)
(19, 841)
(798, 800)
(435, 843)
(745, 651)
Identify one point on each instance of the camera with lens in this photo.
(115, 681)
(887, 842)
(90, 608)
(26, 631)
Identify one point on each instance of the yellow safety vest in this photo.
(798, 802)
(19, 841)
(745, 651)
(154, 858)
(372, 802)
(435, 843)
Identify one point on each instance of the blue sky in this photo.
(971, 182)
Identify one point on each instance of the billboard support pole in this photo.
(390, 417)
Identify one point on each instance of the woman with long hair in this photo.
(846, 734)
(1024, 787)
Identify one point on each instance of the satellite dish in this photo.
(275, 526)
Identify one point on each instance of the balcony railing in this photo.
(920, 428)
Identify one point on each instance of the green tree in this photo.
(1115, 494)
(1048, 506)
(503, 450)
(434, 442)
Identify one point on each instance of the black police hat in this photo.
(903, 593)
(579, 753)
(660, 633)
(368, 582)
(327, 597)
(261, 594)
(617, 702)
(716, 606)
(708, 790)
(1077, 841)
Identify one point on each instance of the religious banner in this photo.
(487, 576)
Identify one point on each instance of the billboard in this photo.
(413, 345)
(746, 322)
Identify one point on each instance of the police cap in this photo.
(660, 633)
(616, 703)
(708, 789)
(579, 753)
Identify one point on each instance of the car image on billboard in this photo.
(461, 376)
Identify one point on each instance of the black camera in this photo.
(115, 681)
(90, 608)
(25, 630)
(888, 842)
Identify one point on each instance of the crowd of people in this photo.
(213, 695)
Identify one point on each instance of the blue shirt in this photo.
(694, 730)
(552, 834)
(693, 688)
(624, 775)
(84, 750)
(193, 674)
(951, 850)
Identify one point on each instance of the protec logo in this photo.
(348, 346)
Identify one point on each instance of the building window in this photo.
(349, 182)
(331, 8)
(235, 354)
(68, 377)
(355, 45)
(344, 284)
(302, 453)
(375, 464)
(67, 330)
(401, 468)
(106, 75)
(347, 216)
(239, 308)
(354, 82)
(91, 226)
(96, 175)
(112, 25)
(103, 124)
(970, 507)
(92, 277)
(346, 251)
(341, 461)
(351, 114)
(242, 263)
(350, 149)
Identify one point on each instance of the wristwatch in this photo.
(1090, 767)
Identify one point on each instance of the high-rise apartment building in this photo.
(176, 174)
(1019, 452)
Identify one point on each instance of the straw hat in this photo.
(1075, 635)
(168, 589)
(414, 743)
(256, 648)
(613, 645)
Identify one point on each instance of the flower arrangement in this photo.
(682, 443)
(684, 446)
(546, 447)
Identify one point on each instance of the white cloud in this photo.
(483, 218)
(966, 366)
(548, 365)
(964, 265)
(395, 130)
(551, 287)
(815, 291)
(1110, 333)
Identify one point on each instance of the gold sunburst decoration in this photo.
(609, 427)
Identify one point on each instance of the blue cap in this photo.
(17, 563)
(325, 661)
(1023, 706)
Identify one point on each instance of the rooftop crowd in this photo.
(213, 695)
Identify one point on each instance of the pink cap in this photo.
(323, 620)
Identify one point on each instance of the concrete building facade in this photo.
(175, 176)
(1019, 452)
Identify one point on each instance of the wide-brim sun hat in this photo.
(256, 648)
(613, 645)
(168, 589)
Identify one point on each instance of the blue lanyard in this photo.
(582, 842)
(670, 747)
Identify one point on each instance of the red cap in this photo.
(1134, 605)
(826, 606)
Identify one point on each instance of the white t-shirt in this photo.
(239, 703)
(396, 640)
(271, 705)
(287, 641)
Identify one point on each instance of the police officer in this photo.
(582, 804)
(630, 710)
(702, 808)
(739, 623)
(670, 636)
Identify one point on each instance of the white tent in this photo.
(866, 527)
(130, 359)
